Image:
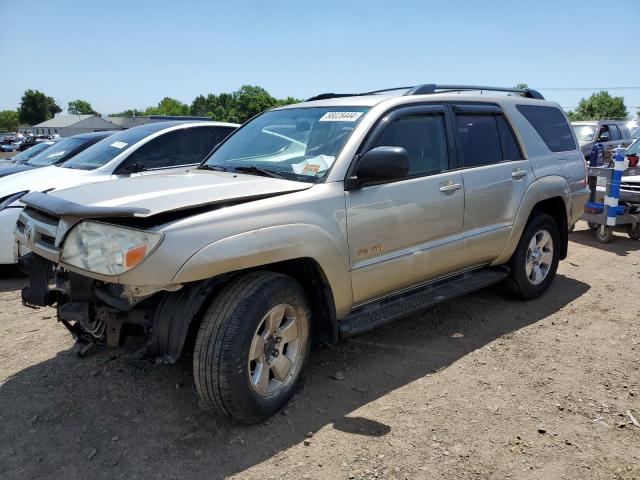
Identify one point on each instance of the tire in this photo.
(633, 230)
(236, 327)
(604, 234)
(525, 281)
(593, 226)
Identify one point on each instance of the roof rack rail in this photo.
(431, 88)
(324, 96)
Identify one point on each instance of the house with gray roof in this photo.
(68, 125)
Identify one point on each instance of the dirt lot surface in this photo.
(482, 387)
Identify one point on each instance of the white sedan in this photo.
(144, 150)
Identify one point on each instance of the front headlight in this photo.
(107, 249)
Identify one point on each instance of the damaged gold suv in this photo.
(315, 221)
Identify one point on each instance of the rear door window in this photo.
(479, 139)
(551, 125)
(510, 148)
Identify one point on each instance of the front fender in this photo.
(269, 245)
(541, 189)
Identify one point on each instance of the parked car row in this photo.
(101, 156)
(314, 221)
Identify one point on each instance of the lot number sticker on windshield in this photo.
(119, 145)
(340, 116)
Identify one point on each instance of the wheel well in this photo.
(309, 274)
(556, 208)
(314, 282)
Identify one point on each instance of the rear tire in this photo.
(252, 346)
(534, 263)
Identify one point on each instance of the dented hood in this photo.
(146, 196)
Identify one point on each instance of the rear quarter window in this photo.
(551, 125)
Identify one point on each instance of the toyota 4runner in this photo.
(314, 221)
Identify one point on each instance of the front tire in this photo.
(534, 263)
(252, 345)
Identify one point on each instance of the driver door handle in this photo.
(450, 187)
(518, 173)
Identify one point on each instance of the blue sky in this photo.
(123, 54)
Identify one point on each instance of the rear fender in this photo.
(542, 189)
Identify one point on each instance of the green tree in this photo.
(131, 112)
(81, 107)
(238, 106)
(9, 120)
(287, 101)
(168, 106)
(251, 100)
(36, 107)
(598, 106)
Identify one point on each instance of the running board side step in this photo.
(375, 314)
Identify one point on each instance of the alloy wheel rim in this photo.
(275, 351)
(539, 257)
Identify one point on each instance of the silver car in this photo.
(319, 220)
(610, 133)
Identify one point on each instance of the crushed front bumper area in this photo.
(102, 313)
(80, 302)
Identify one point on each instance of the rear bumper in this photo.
(578, 199)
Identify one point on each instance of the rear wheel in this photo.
(252, 346)
(534, 263)
(593, 226)
(633, 230)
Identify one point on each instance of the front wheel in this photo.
(534, 263)
(252, 345)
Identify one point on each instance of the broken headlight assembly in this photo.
(107, 249)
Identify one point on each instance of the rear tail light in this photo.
(633, 160)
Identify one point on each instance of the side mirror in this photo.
(604, 137)
(130, 168)
(380, 164)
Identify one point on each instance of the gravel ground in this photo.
(481, 387)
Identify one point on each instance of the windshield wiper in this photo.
(215, 168)
(252, 169)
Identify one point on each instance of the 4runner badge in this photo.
(370, 250)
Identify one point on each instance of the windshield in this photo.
(56, 152)
(22, 157)
(106, 149)
(634, 149)
(297, 143)
(584, 133)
